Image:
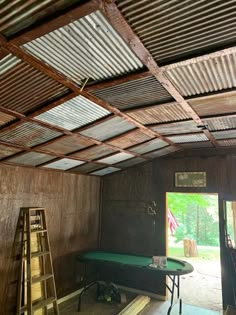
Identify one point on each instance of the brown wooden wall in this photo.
(72, 203)
(126, 224)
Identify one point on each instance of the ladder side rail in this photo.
(28, 261)
(53, 286)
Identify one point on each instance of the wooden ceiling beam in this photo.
(117, 81)
(205, 57)
(115, 17)
(71, 15)
(37, 149)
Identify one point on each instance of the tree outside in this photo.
(197, 216)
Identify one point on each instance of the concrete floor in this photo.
(89, 306)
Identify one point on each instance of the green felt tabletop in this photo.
(134, 260)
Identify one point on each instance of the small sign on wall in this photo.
(190, 179)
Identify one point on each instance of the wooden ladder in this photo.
(36, 285)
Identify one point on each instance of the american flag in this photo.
(173, 223)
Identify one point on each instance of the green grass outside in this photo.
(204, 252)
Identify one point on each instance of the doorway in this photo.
(193, 236)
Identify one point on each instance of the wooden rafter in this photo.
(116, 81)
(115, 17)
(51, 72)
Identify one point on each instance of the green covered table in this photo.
(174, 269)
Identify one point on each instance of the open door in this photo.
(228, 250)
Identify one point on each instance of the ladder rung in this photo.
(38, 231)
(37, 279)
(39, 304)
(38, 254)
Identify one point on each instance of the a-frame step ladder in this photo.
(36, 285)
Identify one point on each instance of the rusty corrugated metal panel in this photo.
(130, 139)
(25, 88)
(18, 15)
(226, 134)
(87, 168)
(5, 118)
(137, 93)
(106, 171)
(204, 76)
(67, 145)
(130, 162)
(6, 151)
(149, 146)
(161, 152)
(87, 48)
(176, 127)
(32, 158)
(159, 114)
(175, 29)
(8, 62)
(63, 164)
(215, 104)
(74, 113)
(28, 134)
(220, 123)
(227, 143)
(197, 145)
(108, 129)
(188, 138)
(116, 158)
(94, 152)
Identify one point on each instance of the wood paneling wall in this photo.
(72, 208)
(126, 224)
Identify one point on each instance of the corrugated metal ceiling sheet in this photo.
(130, 139)
(161, 152)
(106, 171)
(87, 48)
(204, 76)
(94, 152)
(175, 29)
(63, 164)
(227, 143)
(215, 104)
(25, 88)
(5, 118)
(131, 162)
(220, 123)
(6, 151)
(224, 134)
(18, 15)
(32, 158)
(189, 138)
(197, 145)
(159, 114)
(149, 146)
(108, 129)
(137, 93)
(74, 113)
(87, 168)
(176, 127)
(8, 62)
(116, 158)
(28, 134)
(67, 145)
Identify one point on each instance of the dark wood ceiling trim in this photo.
(63, 19)
(115, 17)
(116, 81)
